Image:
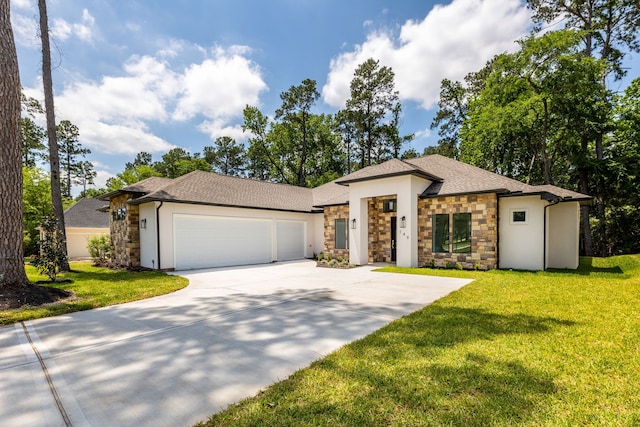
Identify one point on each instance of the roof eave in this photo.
(224, 205)
(499, 191)
(390, 175)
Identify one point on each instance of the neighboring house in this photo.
(83, 221)
(426, 211)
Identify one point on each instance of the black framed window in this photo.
(389, 205)
(462, 233)
(341, 233)
(519, 216)
(440, 228)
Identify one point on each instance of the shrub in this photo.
(458, 266)
(432, 263)
(448, 264)
(52, 249)
(477, 265)
(340, 259)
(99, 248)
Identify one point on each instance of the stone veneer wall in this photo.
(331, 213)
(125, 233)
(379, 230)
(484, 230)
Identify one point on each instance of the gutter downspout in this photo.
(544, 234)
(158, 231)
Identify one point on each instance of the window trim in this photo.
(387, 202)
(434, 229)
(468, 226)
(513, 211)
(345, 225)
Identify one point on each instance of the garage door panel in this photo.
(207, 241)
(291, 241)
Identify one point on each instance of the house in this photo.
(425, 211)
(83, 221)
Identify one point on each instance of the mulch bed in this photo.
(30, 295)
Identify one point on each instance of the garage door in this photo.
(207, 241)
(291, 240)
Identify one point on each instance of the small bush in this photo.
(99, 248)
(477, 266)
(328, 257)
(448, 265)
(458, 266)
(340, 259)
(432, 263)
(52, 249)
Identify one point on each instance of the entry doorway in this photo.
(394, 223)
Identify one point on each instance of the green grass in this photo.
(553, 348)
(96, 287)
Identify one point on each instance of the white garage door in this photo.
(207, 241)
(291, 240)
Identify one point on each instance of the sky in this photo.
(154, 75)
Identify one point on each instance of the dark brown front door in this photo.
(394, 222)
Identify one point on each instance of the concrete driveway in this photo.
(175, 359)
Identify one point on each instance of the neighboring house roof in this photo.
(85, 213)
(448, 176)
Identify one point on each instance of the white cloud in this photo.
(83, 30)
(115, 113)
(25, 30)
(21, 4)
(450, 42)
(220, 87)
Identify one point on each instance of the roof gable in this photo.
(393, 167)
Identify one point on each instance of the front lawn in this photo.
(512, 348)
(96, 287)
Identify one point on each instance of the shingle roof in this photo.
(461, 178)
(84, 214)
(330, 194)
(393, 167)
(210, 188)
(448, 176)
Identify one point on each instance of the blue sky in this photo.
(153, 75)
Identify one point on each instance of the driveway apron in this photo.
(175, 359)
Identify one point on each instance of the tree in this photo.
(534, 106)
(12, 272)
(178, 162)
(226, 156)
(370, 110)
(452, 110)
(36, 202)
(84, 175)
(295, 142)
(69, 149)
(32, 134)
(261, 163)
(621, 181)
(54, 161)
(607, 27)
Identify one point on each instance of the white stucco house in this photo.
(430, 210)
(83, 221)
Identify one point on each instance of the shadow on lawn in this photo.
(411, 373)
(586, 268)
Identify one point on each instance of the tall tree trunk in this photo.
(583, 185)
(12, 271)
(54, 160)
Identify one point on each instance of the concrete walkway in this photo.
(175, 359)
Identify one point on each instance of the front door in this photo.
(394, 222)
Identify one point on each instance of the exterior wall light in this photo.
(403, 222)
(143, 223)
(353, 224)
